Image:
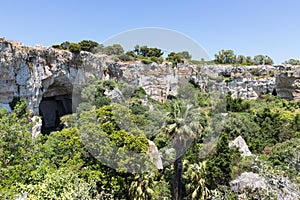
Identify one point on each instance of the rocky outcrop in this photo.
(240, 143)
(248, 180)
(288, 84)
(260, 187)
(34, 73)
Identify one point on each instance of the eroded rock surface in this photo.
(242, 145)
(34, 73)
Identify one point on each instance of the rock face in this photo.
(288, 84)
(241, 144)
(43, 73)
(248, 180)
(278, 187)
(37, 127)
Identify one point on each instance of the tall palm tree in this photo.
(181, 126)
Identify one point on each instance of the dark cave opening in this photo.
(51, 109)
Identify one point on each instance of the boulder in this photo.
(248, 180)
(241, 144)
(155, 155)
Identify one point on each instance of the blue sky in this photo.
(268, 27)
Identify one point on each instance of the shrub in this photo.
(146, 61)
(75, 48)
(88, 45)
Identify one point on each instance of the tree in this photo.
(262, 60)
(88, 45)
(186, 55)
(268, 61)
(249, 60)
(219, 166)
(141, 188)
(148, 52)
(16, 149)
(182, 128)
(195, 178)
(115, 49)
(74, 48)
(240, 59)
(225, 57)
(292, 62)
(175, 58)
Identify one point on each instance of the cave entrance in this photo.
(56, 102)
(51, 109)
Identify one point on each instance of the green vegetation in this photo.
(148, 52)
(175, 58)
(229, 57)
(92, 157)
(115, 49)
(292, 62)
(84, 45)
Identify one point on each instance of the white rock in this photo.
(241, 144)
(155, 155)
(36, 129)
(248, 180)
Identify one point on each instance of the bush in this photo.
(175, 58)
(88, 45)
(146, 61)
(157, 60)
(75, 48)
(115, 49)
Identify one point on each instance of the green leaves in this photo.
(175, 58)
(219, 166)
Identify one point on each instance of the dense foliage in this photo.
(89, 159)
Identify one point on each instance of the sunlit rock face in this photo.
(288, 84)
(34, 73)
(37, 73)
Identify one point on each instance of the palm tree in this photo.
(141, 188)
(181, 126)
(195, 176)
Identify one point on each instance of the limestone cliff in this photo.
(44, 73)
(34, 73)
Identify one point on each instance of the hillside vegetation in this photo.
(190, 129)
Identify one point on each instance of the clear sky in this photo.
(249, 27)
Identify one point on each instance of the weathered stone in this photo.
(155, 155)
(248, 180)
(115, 95)
(241, 144)
(37, 72)
(37, 126)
